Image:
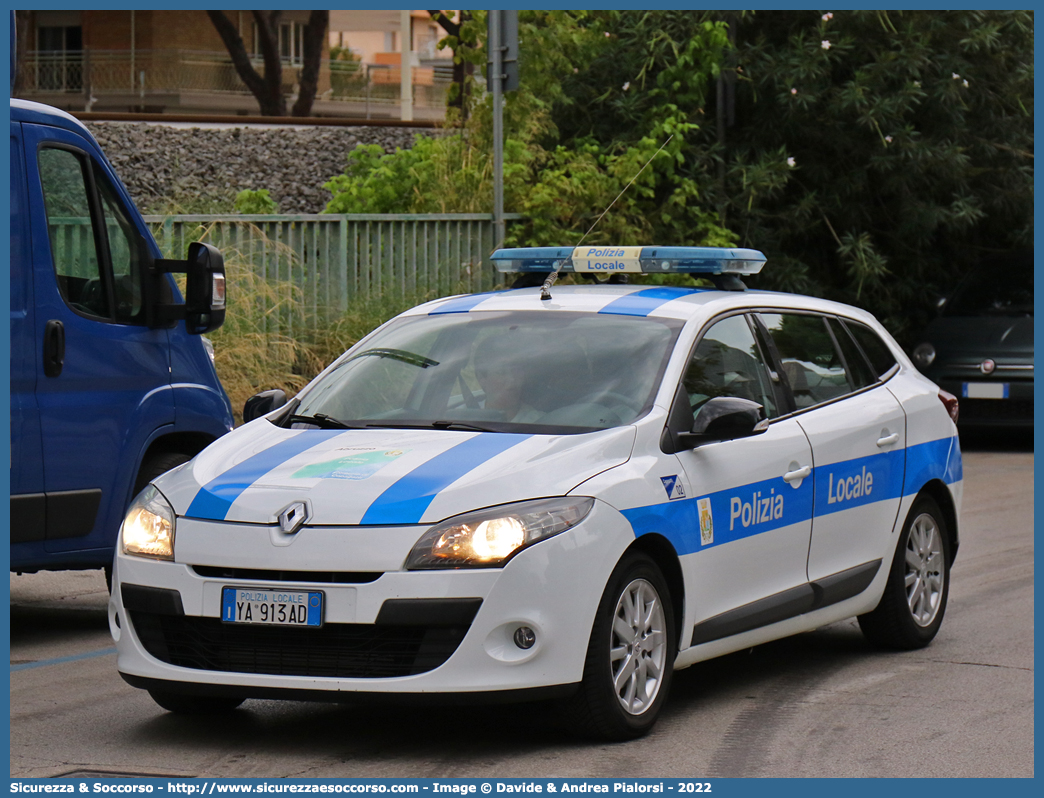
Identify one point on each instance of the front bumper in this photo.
(385, 630)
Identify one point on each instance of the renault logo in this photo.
(293, 516)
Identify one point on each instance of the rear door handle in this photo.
(54, 348)
(794, 476)
(888, 440)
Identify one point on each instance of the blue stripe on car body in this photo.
(405, 501)
(644, 302)
(216, 497)
(678, 520)
(464, 303)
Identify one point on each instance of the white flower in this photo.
(917, 84)
(965, 84)
(791, 162)
(828, 16)
(825, 44)
(956, 76)
(793, 91)
(627, 85)
(888, 139)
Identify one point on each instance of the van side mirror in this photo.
(725, 418)
(261, 404)
(204, 308)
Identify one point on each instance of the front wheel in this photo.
(630, 656)
(914, 600)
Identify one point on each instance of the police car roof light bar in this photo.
(630, 260)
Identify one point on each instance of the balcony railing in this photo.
(147, 73)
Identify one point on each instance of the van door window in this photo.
(124, 255)
(98, 269)
(74, 247)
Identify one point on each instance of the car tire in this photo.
(156, 464)
(630, 656)
(914, 601)
(190, 704)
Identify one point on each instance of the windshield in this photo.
(994, 292)
(498, 371)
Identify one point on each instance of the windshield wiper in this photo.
(397, 354)
(430, 425)
(320, 420)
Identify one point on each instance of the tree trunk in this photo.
(314, 48)
(267, 89)
(461, 67)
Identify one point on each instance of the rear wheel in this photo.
(630, 656)
(156, 464)
(914, 601)
(189, 704)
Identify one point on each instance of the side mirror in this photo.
(261, 404)
(725, 418)
(205, 291)
(204, 308)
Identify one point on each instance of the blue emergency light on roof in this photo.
(630, 260)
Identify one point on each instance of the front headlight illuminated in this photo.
(148, 529)
(489, 538)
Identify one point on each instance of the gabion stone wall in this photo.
(200, 170)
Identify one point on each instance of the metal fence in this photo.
(329, 261)
(151, 73)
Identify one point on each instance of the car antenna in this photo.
(545, 289)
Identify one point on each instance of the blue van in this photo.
(111, 381)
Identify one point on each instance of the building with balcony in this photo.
(175, 62)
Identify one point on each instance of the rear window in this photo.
(876, 351)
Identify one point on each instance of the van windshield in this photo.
(536, 372)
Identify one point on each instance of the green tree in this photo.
(876, 155)
(562, 184)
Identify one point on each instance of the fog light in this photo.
(524, 637)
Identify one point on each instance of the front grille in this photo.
(995, 409)
(364, 651)
(331, 577)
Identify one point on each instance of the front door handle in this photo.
(53, 348)
(798, 475)
(888, 440)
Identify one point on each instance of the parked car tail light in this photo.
(950, 403)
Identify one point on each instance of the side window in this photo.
(98, 275)
(809, 358)
(729, 362)
(73, 241)
(124, 254)
(859, 374)
(877, 352)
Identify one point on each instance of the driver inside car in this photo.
(503, 380)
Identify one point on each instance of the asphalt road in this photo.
(819, 704)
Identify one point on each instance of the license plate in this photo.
(985, 390)
(272, 607)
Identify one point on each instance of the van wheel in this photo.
(189, 704)
(630, 657)
(914, 600)
(156, 464)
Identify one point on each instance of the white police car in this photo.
(568, 496)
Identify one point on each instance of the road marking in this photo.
(60, 660)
